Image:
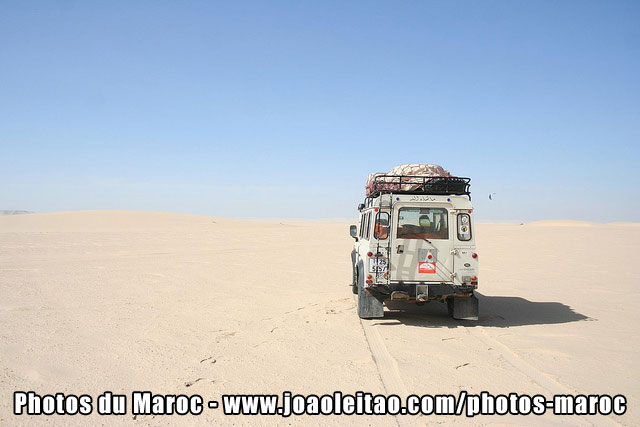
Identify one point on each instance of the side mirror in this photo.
(353, 231)
(360, 206)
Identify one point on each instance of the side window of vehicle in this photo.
(366, 226)
(362, 217)
(381, 230)
(368, 231)
(464, 227)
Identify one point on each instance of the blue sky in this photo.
(281, 109)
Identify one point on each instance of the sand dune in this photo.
(562, 223)
(13, 212)
(123, 301)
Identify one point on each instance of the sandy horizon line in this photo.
(540, 222)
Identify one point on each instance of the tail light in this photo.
(474, 255)
(369, 253)
(369, 281)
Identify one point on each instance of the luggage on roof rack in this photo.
(416, 184)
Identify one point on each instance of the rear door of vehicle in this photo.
(422, 243)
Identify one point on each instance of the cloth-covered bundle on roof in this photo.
(385, 182)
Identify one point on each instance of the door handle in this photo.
(400, 249)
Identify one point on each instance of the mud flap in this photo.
(354, 280)
(369, 306)
(464, 308)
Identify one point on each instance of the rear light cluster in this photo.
(474, 281)
(369, 279)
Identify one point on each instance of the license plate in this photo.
(378, 265)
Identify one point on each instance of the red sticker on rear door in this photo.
(426, 267)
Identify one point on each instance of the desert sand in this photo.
(123, 301)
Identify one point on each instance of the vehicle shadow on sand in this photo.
(495, 311)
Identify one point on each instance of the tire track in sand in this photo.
(390, 375)
(386, 365)
(552, 385)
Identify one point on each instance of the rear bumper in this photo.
(420, 291)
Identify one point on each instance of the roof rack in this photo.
(420, 184)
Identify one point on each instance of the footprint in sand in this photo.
(190, 383)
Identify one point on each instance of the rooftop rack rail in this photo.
(420, 184)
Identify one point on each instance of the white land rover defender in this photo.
(415, 243)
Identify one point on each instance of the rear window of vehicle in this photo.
(422, 223)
